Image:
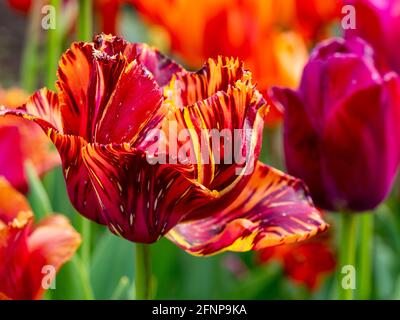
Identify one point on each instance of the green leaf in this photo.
(72, 282)
(121, 289)
(37, 196)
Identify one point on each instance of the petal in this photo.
(216, 75)
(27, 140)
(12, 203)
(52, 243)
(336, 70)
(302, 145)
(161, 67)
(75, 173)
(42, 107)
(15, 221)
(225, 135)
(361, 149)
(11, 157)
(273, 209)
(137, 200)
(87, 76)
(74, 73)
(98, 83)
(135, 103)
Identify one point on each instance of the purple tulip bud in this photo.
(342, 127)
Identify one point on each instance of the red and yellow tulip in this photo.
(111, 96)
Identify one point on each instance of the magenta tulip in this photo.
(341, 127)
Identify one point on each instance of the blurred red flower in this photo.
(305, 263)
(112, 95)
(21, 141)
(25, 250)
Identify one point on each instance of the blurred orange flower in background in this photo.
(25, 250)
(273, 46)
(21, 141)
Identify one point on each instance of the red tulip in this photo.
(21, 141)
(112, 96)
(341, 127)
(29, 254)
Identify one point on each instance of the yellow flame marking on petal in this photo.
(196, 144)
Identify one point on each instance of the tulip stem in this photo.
(85, 20)
(365, 266)
(84, 33)
(143, 272)
(348, 239)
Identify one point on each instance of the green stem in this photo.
(54, 46)
(121, 288)
(84, 278)
(85, 34)
(86, 241)
(365, 266)
(347, 249)
(85, 20)
(143, 272)
(29, 64)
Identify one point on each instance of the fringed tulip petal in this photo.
(228, 123)
(273, 209)
(160, 67)
(21, 141)
(216, 75)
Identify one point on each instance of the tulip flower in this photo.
(111, 97)
(341, 137)
(378, 22)
(306, 263)
(30, 255)
(341, 133)
(21, 141)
